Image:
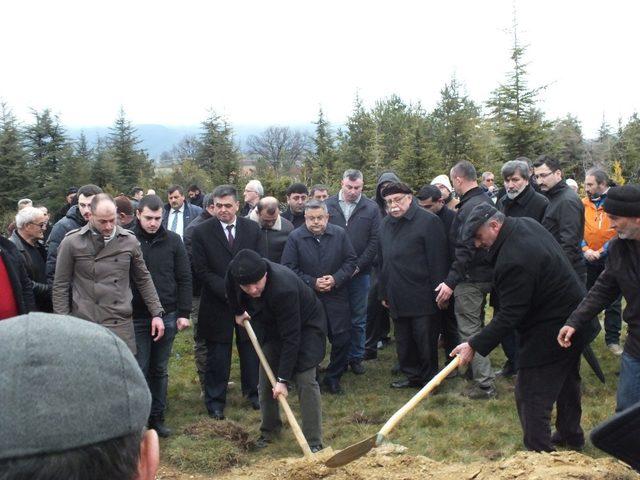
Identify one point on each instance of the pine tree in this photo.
(15, 180)
(360, 145)
(76, 168)
(48, 147)
(455, 118)
(321, 166)
(419, 159)
(133, 164)
(628, 149)
(104, 170)
(218, 154)
(567, 144)
(520, 126)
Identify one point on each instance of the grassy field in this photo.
(445, 427)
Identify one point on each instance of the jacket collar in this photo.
(474, 192)
(305, 233)
(505, 232)
(523, 198)
(411, 212)
(557, 188)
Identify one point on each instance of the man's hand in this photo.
(565, 335)
(591, 255)
(241, 318)
(157, 328)
(329, 281)
(444, 294)
(182, 323)
(280, 389)
(322, 284)
(464, 352)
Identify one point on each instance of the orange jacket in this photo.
(597, 230)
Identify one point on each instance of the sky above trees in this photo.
(277, 62)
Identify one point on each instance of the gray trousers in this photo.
(308, 395)
(469, 298)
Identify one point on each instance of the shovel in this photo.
(297, 431)
(357, 450)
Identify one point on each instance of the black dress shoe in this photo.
(315, 448)
(217, 414)
(157, 424)
(558, 441)
(357, 368)
(507, 370)
(262, 442)
(333, 388)
(255, 404)
(405, 383)
(370, 355)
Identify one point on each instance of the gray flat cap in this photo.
(478, 217)
(65, 383)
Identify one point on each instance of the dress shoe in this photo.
(333, 388)
(217, 414)
(316, 448)
(157, 424)
(368, 355)
(405, 383)
(558, 441)
(357, 368)
(255, 404)
(262, 442)
(481, 393)
(507, 370)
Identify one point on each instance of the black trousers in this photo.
(449, 331)
(417, 346)
(378, 325)
(537, 389)
(216, 376)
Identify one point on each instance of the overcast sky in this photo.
(276, 62)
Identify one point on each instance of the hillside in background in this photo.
(161, 138)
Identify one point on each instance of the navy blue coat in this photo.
(362, 228)
(330, 254)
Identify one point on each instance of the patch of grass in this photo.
(445, 427)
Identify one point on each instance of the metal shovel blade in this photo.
(352, 452)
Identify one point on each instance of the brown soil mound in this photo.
(384, 464)
(232, 431)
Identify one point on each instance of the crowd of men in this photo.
(339, 267)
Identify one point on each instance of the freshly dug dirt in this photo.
(388, 463)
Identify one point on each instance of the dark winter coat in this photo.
(20, 283)
(564, 218)
(188, 231)
(414, 259)
(538, 290)
(469, 264)
(272, 241)
(168, 264)
(211, 254)
(36, 270)
(71, 221)
(312, 257)
(362, 228)
(528, 204)
(297, 220)
(289, 314)
(621, 275)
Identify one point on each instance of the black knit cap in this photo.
(623, 201)
(395, 187)
(247, 267)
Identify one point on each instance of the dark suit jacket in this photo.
(190, 213)
(211, 254)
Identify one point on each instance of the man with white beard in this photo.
(521, 200)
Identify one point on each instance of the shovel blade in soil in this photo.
(351, 453)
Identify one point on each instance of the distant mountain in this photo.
(160, 138)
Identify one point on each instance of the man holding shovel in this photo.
(538, 289)
(291, 327)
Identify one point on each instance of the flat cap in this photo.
(66, 383)
(623, 201)
(478, 217)
(247, 267)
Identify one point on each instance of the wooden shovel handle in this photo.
(297, 431)
(418, 397)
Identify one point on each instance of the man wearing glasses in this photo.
(564, 217)
(413, 259)
(31, 223)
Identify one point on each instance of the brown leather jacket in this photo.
(98, 278)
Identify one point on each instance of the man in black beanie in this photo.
(621, 275)
(291, 326)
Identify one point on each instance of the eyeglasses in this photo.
(396, 201)
(538, 176)
(41, 225)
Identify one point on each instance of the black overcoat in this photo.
(528, 204)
